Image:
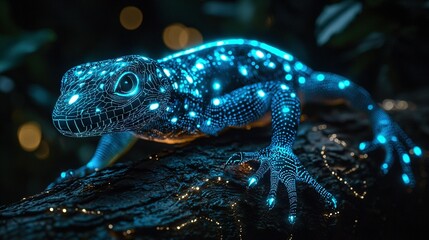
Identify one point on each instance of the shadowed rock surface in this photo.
(184, 192)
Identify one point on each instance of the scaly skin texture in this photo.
(204, 90)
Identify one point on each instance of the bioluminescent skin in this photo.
(206, 89)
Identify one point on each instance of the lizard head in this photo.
(116, 95)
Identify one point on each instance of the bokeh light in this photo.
(29, 136)
(131, 17)
(43, 150)
(177, 36)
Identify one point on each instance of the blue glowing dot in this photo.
(284, 87)
(406, 158)
(417, 151)
(381, 139)
(90, 72)
(261, 93)
(208, 122)
(97, 110)
(299, 66)
(259, 54)
(167, 72)
(270, 202)
(63, 174)
(175, 85)
(346, 83)
(320, 77)
(286, 67)
(405, 179)
(73, 99)
(216, 86)
(293, 95)
(199, 65)
(174, 120)
(119, 59)
(370, 107)
(153, 106)
(334, 201)
(362, 146)
(394, 139)
(78, 73)
(243, 71)
(384, 166)
(291, 219)
(288, 57)
(223, 57)
(301, 80)
(216, 101)
(103, 72)
(252, 181)
(288, 77)
(101, 86)
(189, 79)
(286, 109)
(161, 89)
(341, 85)
(192, 114)
(271, 65)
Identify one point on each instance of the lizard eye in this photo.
(126, 85)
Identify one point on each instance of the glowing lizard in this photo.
(201, 91)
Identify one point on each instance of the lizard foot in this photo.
(392, 138)
(71, 174)
(284, 167)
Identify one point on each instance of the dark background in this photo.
(380, 44)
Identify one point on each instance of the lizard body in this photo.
(205, 89)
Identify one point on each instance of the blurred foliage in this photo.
(377, 43)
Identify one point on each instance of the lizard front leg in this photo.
(109, 149)
(278, 157)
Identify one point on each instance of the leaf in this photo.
(334, 18)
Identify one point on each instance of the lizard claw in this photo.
(70, 174)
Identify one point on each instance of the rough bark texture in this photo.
(185, 192)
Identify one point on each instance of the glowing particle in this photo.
(288, 57)
(103, 72)
(293, 95)
(216, 101)
(270, 202)
(167, 72)
(189, 79)
(97, 110)
(243, 71)
(334, 201)
(119, 59)
(199, 64)
(78, 73)
(299, 66)
(417, 151)
(286, 109)
(271, 65)
(192, 114)
(64, 210)
(261, 93)
(73, 99)
(370, 107)
(284, 87)
(131, 17)
(362, 146)
(286, 67)
(208, 122)
(101, 86)
(291, 219)
(51, 209)
(406, 158)
(381, 139)
(301, 80)
(216, 86)
(384, 167)
(175, 85)
(174, 120)
(341, 85)
(405, 178)
(153, 106)
(288, 77)
(259, 54)
(223, 57)
(320, 77)
(252, 181)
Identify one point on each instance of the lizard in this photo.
(202, 90)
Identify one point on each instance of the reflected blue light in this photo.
(243, 71)
(216, 101)
(291, 219)
(261, 93)
(362, 146)
(153, 106)
(320, 77)
(252, 181)
(417, 151)
(174, 120)
(381, 139)
(270, 202)
(405, 179)
(216, 86)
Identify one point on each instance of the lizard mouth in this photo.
(81, 127)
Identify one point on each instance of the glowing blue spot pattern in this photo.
(417, 151)
(207, 88)
(252, 181)
(73, 99)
